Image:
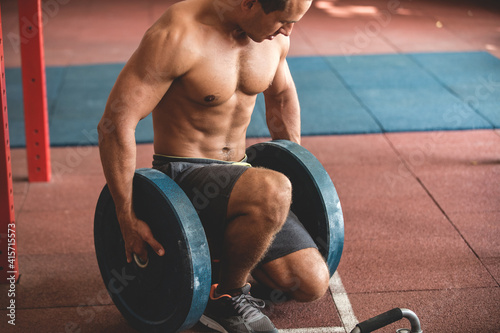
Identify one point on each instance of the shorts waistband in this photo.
(166, 159)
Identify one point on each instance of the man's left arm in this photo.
(282, 106)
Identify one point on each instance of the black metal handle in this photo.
(380, 321)
(387, 318)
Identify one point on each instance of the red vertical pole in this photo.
(34, 91)
(8, 253)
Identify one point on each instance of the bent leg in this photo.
(257, 209)
(302, 274)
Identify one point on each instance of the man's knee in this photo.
(266, 194)
(303, 275)
(313, 285)
(276, 195)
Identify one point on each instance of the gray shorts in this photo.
(208, 184)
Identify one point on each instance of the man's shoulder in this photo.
(175, 21)
(169, 43)
(283, 44)
(174, 30)
(279, 46)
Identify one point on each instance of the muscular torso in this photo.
(206, 111)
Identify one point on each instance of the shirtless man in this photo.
(198, 69)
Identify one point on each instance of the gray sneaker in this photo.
(238, 314)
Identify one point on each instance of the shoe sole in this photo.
(212, 324)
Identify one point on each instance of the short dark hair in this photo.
(273, 5)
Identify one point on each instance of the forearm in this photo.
(283, 116)
(118, 157)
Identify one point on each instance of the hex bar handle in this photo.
(388, 318)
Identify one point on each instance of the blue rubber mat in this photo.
(338, 95)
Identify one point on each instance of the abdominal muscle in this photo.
(186, 128)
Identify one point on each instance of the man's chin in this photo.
(263, 39)
(260, 39)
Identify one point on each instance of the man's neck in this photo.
(239, 34)
(226, 19)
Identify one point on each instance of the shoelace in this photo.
(248, 306)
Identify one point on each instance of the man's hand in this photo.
(135, 234)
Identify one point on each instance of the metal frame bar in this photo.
(34, 91)
(8, 249)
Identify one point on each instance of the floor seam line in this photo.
(422, 185)
(450, 90)
(356, 97)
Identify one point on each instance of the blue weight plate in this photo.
(315, 200)
(171, 293)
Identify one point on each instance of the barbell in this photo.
(169, 293)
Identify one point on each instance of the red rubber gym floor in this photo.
(421, 209)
